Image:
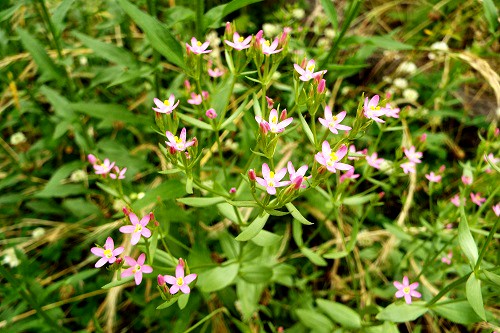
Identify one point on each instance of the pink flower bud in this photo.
(381, 195)
(497, 131)
(423, 137)
(259, 35)
(181, 262)
(187, 155)
(270, 102)
(195, 140)
(387, 95)
(172, 150)
(283, 115)
(303, 63)
(187, 85)
(92, 159)
(284, 35)
(204, 94)
(211, 114)
(125, 211)
(228, 29)
(151, 216)
(442, 168)
(264, 127)
(118, 261)
(161, 280)
(232, 190)
(321, 86)
(251, 175)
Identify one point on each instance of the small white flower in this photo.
(270, 30)
(298, 13)
(38, 232)
(439, 46)
(213, 39)
(410, 94)
(78, 176)
(386, 167)
(10, 258)
(407, 67)
(330, 33)
(17, 138)
(345, 90)
(140, 195)
(400, 83)
(83, 60)
(387, 79)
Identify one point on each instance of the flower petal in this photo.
(127, 229)
(101, 262)
(190, 278)
(265, 171)
(118, 251)
(138, 277)
(146, 232)
(185, 289)
(128, 272)
(170, 279)
(97, 251)
(133, 218)
(130, 261)
(135, 238)
(147, 269)
(174, 289)
(141, 259)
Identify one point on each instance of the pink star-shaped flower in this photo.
(136, 268)
(118, 174)
(178, 143)
(138, 228)
(274, 125)
(374, 161)
(308, 73)
(413, 156)
(239, 43)
(108, 254)
(349, 174)
(271, 180)
(103, 168)
(298, 176)
(433, 178)
(496, 209)
(372, 110)
(270, 48)
(331, 159)
(167, 106)
(477, 199)
(179, 281)
(456, 200)
(407, 290)
(333, 122)
(408, 167)
(198, 47)
(391, 112)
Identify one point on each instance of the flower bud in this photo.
(195, 140)
(297, 182)
(211, 113)
(181, 262)
(232, 190)
(151, 216)
(188, 156)
(251, 175)
(126, 211)
(92, 159)
(442, 168)
(264, 127)
(423, 137)
(229, 29)
(172, 150)
(204, 94)
(381, 195)
(270, 102)
(161, 280)
(497, 132)
(187, 85)
(283, 115)
(321, 86)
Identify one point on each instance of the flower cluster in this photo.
(106, 167)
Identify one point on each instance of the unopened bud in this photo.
(195, 140)
(172, 150)
(211, 114)
(321, 86)
(251, 175)
(497, 132)
(303, 63)
(284, 35)
(126, 211)
(187, 85)
(297, 182)
(321, 170)
(151, 216)
(264, 127)
(181, 262)
(161, 280)
(381, 195)
(283, 115)
(92, 159)
(118, 261)
(388, 95)
(188, 156)
(423, 137)
(270, 102)
(204, 94)
(232, 190)
(442, 168)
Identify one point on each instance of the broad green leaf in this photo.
(214, 16)
(166, 304)
(474, 295)
(195, 122)
(182, 301)
(110, 112)
(167, 190)
(228, 211)
(402, 312)
(340, 313)
(491, 13)
(313, 256)
(296, 214)
(253, 229)
(266, 238)
(256, 273)
(58, 102)
(108, 51)
(107, 189)
(159, 36)
(331, 12)
(118, 282)
(314, 320)
(201, 202)
(458, 312)
(466, 240)
(217, 278)
(492, 277)
(49, 70)
(56, 189)
(230, 247)
(9, 12)
(334, 254)
(223, 92)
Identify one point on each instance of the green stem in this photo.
(147, 251)
(446, 289)
(156, 55)
(207, 317)
(163, 241)
(199, 18)
(488, 240)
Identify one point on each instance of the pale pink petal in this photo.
(97, 251)
(109, 245)
(407, 299)
(145, 220)
(399, 293)
(127, 272)
(328, 113)
(133, 218)
(118, 251)
(341, 152)
(185, 289)
(141, 259)
(183, 135)
(111, 260)
(320, 158)
(324, 122)
(130, 261)
(398, 285)
(325, 149)
(179, 271)
(284, 123)
(271, 190)
(158, 103)
(414, 285)
(101, 262)
(280, 174)
(291, 169)
(299, 69)
(147, 269)
(261, 181)
(343, 166)
(174, 289)
(265, 171)
(170, 279)
(135, 238)
(127, 229)
(146, 232)
(405, 278)
(341, 116)
(170, 137)
(273, 114)
(190, 278)
(415, 293)
(138, 277)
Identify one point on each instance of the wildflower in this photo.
(216, 72)
(78, 176)
(119, 174)
(239, 43)
(400, 83)
(273, 124)
(374, 161)
(308, 73)
(333, 122)
(103, 168)
(299, 174)
(456, 200)
(349, 174)
(270, 48)
(136, 268)
(407, 67)
(413, 156)
(17, 138)
(270, 102)
(271, 180)
(372, 110)
(180, 281)
(92, 159)
(232, 190)
(196, 99)
(211, 113)
(433, 178)
(447, 258)
(167, 106)
(406, 290)
(178, 143)
(108, 254)
(408, 167)
(477, 199)
(466, 180)
(496, 209)
(138, 228)
(330, 159)
(10, 258)
(391, 112)
(410, 94)
(197, 47)
(298, 13)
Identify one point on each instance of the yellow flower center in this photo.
(241, 39)
(332, 160)
(108, 253)
(166, 102)
(198, 43)
(274, 120)
(335, 118)
(406, 290)
(180, 282)
(271, 174)
(177, 140)
(138, 228)
(266, 43)
(373, 108)
(136, 268)
(311, 68)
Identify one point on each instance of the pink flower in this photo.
(136, 268)
(268, 48)
(330, 159)
(407, 290)
(239, 43)
(466, 180)
(178, 143)
(138, 228)
(352, 149)
(108, 254)
(211, 113)
(103, 168)
(476, 198)
(167, 106)
(92, 159)
(408, 167)
(349, 174)
(372, 110)
(447, 258)
(271, 180)
(119, 174)
(195, 99)
(333, 122)
(456, 200)
(423, 137)
(273, 125)
(413, 156)
(496, 209)
(308, 73)
(433, 178)
(180, 281)
(391, 112)
(374, 161)
(216, 72)
(299, 175)
(197, 47)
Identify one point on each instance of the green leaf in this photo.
(458, 312)
(256, 273)
(234, 115)
(108, 51)
(230, 247)
(182, 301)
(110, 112)
(58, 102)
(402, 312)
(474, 295)
(9, 12)
(296, 214)
(218, 278)
(384, 42)
(56, 189)
(266, 238)
(314, 320)
(306, 128)
(214, 16)
(107, 189)
(195, 122)
(159, 36)
(492, 277)
(358, 199)
(80, 276)
(223, 92)
(253, 229)
(59, 14)
(340, 313)
(166, 304)
(491, 13)
(297, 233)
(118, 282)
(466, 240)
(201, 202)
(313, 256)
(330, 12)
(49, 70)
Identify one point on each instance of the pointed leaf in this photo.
(340, 313)
(253, 229)
(458, 312)
(402, 312)
(296, 214)
(217, 278)
(201, 202)
(466, 240)
(474, 295)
